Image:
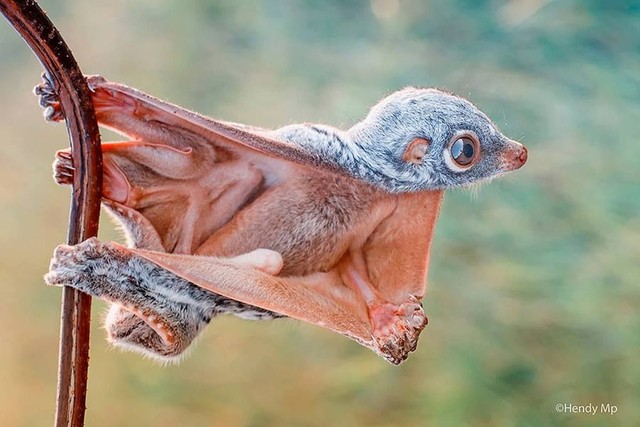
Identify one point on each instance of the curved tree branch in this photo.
(43, 38)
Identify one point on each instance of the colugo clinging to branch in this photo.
(327, 226)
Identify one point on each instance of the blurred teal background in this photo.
(534, 284)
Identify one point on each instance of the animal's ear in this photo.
(416, 150)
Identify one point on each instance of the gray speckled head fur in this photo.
(379, 142)
(374, 149)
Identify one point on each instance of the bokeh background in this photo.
(534, 284)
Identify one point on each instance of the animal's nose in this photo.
(523, 155)
(515, 156)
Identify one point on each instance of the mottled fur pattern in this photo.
(162, 313)
(372, 150)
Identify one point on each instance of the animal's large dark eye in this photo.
(464, 151)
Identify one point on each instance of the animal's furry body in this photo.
(347, 217)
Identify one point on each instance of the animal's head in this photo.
(418, 139)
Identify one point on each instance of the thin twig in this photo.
(43, 38)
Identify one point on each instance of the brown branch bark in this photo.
(43, 38)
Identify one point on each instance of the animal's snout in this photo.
(522, 158)
(515, 156)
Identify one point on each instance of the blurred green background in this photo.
(534, 284)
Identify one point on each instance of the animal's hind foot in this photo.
(397, 328)
(73, 265)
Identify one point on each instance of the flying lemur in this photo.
(327, 226)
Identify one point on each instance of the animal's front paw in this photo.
(71, 265)
(397, 328)
(48, 99)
